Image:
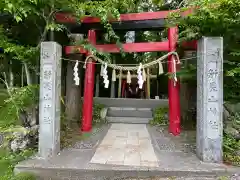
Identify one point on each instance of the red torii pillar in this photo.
(173, 89)
(88, 88)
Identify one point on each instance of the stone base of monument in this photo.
(175, 158)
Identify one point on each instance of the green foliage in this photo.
(89, 47)
(17, 100)
(160, 116)
(231, 88)
(9, 160)
(231, 146)
(97, 119)
(188, 73)
(25, 176)
(17, 51)
(215, 18)
(20, 99)
(3, 96)
(235, 120)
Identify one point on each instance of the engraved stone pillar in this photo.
(210, 99)
(49, 100)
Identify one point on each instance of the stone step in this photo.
(137, 103)
(117, 174)
(128, 120)
(129, 112)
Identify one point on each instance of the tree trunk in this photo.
(28, 75)
(11, 75)
(188, 96)
(22, 76)
(73, 95)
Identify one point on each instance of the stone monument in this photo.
(50, 94)
(210, 99)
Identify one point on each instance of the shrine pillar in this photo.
(173, 87)
(88, 88)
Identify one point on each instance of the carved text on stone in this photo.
(212, 82)
(212, 105)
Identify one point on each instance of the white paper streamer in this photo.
(75, 74)
(174, 71)
(140, 77)
(129, 77)
(160, 66)
(105, 77)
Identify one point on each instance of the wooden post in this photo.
(113, 85)
(148, 84)
(97, 86)
(120, 84)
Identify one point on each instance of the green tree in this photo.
(217, 18)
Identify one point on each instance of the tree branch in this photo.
(8, 90)
(29, 80)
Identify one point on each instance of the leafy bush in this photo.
(97, 119)
(231, 144)
(20, 99)
(160, 116)
(3, 96)
(8, 161)
(24, 176)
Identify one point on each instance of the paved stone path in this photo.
(126, 144)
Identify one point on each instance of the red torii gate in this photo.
(168, 46)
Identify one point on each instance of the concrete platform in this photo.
(96, 158)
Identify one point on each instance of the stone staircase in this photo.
(129, 115)
(130, 111)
